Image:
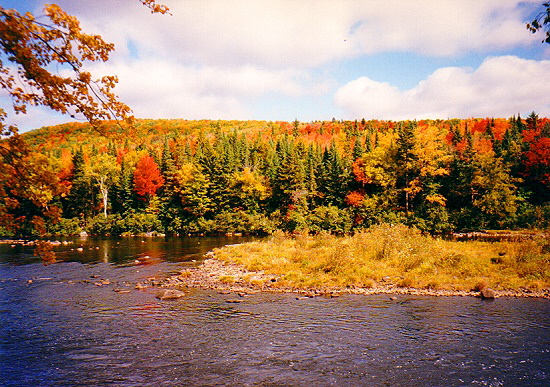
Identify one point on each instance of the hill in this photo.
(181, 176)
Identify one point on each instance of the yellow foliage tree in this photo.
(192, 186)
(249, 188)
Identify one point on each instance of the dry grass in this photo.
(395, 254)
(227, 279)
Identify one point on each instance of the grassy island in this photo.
(396, 255)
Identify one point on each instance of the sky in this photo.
(315, 59)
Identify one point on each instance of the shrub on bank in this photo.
(72, 226)
(140, 222)
(233, 222)
(330, 218)
(101, 225)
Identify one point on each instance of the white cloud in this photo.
(164, 89)
(440, 27)
(227, 58)
(283, 33)
(36, 117)
(500, 87)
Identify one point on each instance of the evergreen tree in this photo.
(167, 165)
(335, 177)
(358, 148)
(80, 200)
(532, 121)
(512, 146)
(288, 185)
(314, 162)
(457, 136)
(124, 198)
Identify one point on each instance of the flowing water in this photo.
(58, 328)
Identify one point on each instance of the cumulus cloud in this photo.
(227, 58)
(164, 89)
(439, 28)
(499, 87)
(282, 33)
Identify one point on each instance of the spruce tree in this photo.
(335, 177)
(80, 200)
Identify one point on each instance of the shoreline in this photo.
(223, 277)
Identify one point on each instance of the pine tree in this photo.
(289, 187)
(335, 177)
(80, 200)
(124, 197)
(358, 148)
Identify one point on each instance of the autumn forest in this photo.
(182, 177)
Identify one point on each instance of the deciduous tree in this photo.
(541, 22)
(104, 171)
(147, 177)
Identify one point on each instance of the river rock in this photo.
(121, 290)
(487, 294)
(170, 294)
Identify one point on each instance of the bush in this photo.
(294, 221)
(433, 219)
(70, 226)
(330, 218)
(101, 225)
(5, 233)
(242, 222)
(140, 222)
(223, 223)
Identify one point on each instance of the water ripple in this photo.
(57, 334)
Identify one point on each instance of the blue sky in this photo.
(315, 60)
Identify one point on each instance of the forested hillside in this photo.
(179, 176)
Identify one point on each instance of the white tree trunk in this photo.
(104, 193)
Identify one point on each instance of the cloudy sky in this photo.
(317, 59)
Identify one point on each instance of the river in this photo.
(60, 328)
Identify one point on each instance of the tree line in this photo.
(182, 177)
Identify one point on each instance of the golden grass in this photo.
(227, 279)
(395, 254)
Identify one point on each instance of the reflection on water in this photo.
(120, 251)
(60, 330)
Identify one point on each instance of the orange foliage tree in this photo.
(147, 177)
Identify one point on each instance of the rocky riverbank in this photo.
(232, 278)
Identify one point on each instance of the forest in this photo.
(209, 177)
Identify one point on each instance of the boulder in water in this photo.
(170, 294)
(487, 294)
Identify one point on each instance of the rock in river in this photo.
(487, 293)
(170, 294)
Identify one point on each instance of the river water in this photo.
(59, 328)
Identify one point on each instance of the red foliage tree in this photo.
(147, 177)
(537, 160)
